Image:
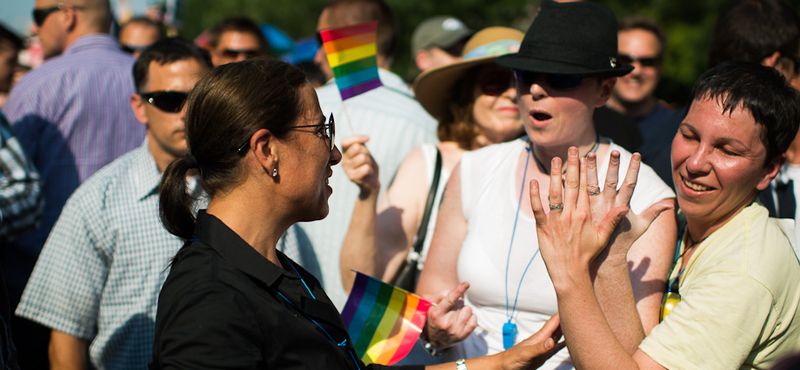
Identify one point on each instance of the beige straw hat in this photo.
(433, 88)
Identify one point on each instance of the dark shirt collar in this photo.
(213, 232)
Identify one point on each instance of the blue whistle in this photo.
(509, 334)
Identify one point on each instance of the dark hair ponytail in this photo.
(175, 203)
(224, 109)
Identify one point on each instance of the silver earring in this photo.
(274, 172)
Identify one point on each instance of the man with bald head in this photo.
(72, 115)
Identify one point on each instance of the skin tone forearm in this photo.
(572, 238)
(67, 352)
(360, 253)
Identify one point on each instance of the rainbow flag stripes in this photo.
(352, 56)
(383, 320)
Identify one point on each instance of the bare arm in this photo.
(570, 239)
(630, 280)
(381, 228)
(67, 352)
(451, 230)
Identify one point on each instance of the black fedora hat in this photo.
(570, 38)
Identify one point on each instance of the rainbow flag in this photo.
(383, 320)
(352, 56)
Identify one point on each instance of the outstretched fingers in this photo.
(572, 180)
(556, 199)
(629, 184)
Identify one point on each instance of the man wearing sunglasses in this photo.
(97, 280)
(641, 43)
(72, 116)
(235, 39)
(139, 33)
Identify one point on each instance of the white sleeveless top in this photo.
(490, 197)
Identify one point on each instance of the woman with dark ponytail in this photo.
(263, 150)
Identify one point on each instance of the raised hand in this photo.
(450, 321)
(632, 226)
(569, 236)
(359, 165)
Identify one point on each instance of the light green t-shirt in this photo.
(740, 294)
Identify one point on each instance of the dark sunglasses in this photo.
(318, 37)
(40, 14)
(644, 62)
(558, 81)
(130, 49)
(167, 101)
(235, 53)
(328, 131)
(495, 83)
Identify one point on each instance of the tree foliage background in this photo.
(688, 24)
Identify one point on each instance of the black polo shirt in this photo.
(219, 309)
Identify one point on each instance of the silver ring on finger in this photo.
(554, 207)
(593, 192)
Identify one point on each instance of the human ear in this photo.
(137, 104)
(266, 148)
(771, 171)
(606, 88)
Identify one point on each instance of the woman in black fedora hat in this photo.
(565, 69)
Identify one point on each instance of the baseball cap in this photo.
(441, 31)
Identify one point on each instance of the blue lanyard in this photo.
(309, 318)
(509, 328)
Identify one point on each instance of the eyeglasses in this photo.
(130, 49)
(167, 101)
(644, 62)
(495, 83)
(558, 81)
(41, 14)
(235, 53)
(328, 131)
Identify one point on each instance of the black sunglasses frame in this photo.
(165, 100)
(491, 83)
(644, 62)
(558, 81)
(41, 14)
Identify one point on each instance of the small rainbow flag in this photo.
(383, 320)
(352, 56)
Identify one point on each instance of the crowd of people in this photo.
(174, 204)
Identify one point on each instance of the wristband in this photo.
(461, 364)
(432, 349)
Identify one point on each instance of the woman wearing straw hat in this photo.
(565, 68)
(474, 101)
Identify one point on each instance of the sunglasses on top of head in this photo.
(41, 14)
(558, 81)
(167, 101)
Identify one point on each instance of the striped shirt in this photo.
(102, 268)
(73, 116)
(395, 124)
(20, 197)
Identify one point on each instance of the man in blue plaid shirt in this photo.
(97, 280)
